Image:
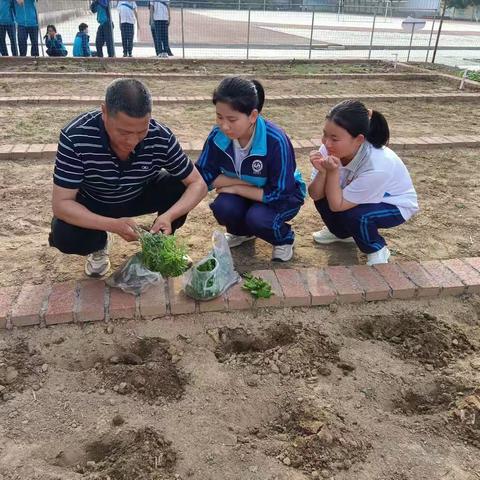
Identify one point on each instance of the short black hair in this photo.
(82, 27)
(128, 96)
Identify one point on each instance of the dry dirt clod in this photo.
(118, 420)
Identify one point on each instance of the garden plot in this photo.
(407, 118)
(361, 410)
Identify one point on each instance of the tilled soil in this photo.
(375, 415)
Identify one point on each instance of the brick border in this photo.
(37, 151)
(441, 97)
(91, 300)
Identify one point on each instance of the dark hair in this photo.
(354, 117)
(82, 27)
(241, 94)
(52, 27)
(129, 96)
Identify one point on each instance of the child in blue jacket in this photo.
(251, 164)
(81, 44)
(7, 27)
(54, 43)
(27, 20)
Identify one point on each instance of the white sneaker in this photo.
(236, 240)
(381, 256)
(98, 263)
(325, 236)
(282, 253)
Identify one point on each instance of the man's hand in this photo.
(163, 223)
(126, 228)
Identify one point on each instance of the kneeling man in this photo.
(114, 164)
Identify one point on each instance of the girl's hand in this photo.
(331, 163)
(230, 189)
(316, 159)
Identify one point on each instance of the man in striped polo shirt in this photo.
(114, 164)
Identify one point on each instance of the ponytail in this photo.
(378, 133)
(354, 117)
(241, 94)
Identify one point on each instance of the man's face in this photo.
(125, 132)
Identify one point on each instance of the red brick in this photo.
(7, 297)
(318, 284)
(450, 283)
(473, 262)
(153, 301)
(294, 291)
(427, 286)
(345, 284)
(239, 299)
(218, 304)
(91, 301)
(28, 306)
(276, 300)
(469, 276)
(179, 301)
(35, 150)
(400, 285)
(122, 305)
(371, 282)
(5, 150)
(61, 303)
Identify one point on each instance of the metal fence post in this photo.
(183, 32)
(311, 36)
(410, 46)
(248, 33)
(431, 35)
(371, 36)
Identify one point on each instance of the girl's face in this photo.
(234, 124)
(51, 32)
(339, 142)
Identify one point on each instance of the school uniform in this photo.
(270, 165)
(126, 13)
(55, 46)
(7, 27)
(379, 183)
(161, 20)
(105, 28)
(81, 45)
(27, 21)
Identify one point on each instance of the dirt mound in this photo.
(418, 336)
(147, 368)
(21, 366)
(285, 349)
(141, 454)
(465, 418)
(314, 439)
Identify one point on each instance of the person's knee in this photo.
(70, 239)
(222, 209)
(258, 220)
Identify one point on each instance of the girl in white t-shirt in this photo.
(127, 12)
(358, 184)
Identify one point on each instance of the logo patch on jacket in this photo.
(257, 166)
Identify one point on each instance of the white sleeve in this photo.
(369, 187)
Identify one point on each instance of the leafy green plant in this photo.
(203, 285)
(163, 254)
(257, 287)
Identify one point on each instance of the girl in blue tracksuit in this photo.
(54, 43)
(251, 164)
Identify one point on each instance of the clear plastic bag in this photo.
(132, 276)
(214, 274)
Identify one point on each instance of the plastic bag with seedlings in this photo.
(214, 274)
(161, 256)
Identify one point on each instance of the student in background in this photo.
(27, 21)
(7, 26)
(81, 44)
(105, 27)
(160, 11)
(127, 12)
(358, 184)
(54, 43)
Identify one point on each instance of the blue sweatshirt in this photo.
(270, 165)
(26, 14)
(81, 45)
(7, 12)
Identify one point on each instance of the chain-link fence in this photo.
(265, 29)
